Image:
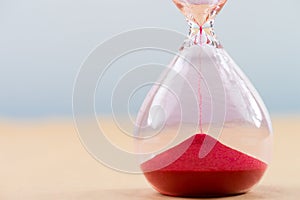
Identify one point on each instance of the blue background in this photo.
(43, 43)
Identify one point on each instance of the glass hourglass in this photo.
(204, 129)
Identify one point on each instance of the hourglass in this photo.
(204, 129)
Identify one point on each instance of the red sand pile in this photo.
(224, 171)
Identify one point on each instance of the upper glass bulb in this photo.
(200, 11)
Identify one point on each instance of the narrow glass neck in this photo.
(202, 35)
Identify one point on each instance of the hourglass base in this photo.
(222, 172)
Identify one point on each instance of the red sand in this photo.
(224, 171)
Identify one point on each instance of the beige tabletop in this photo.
(44, 159)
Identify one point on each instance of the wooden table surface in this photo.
(44, 159)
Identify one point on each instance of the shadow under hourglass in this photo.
(261, 192)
